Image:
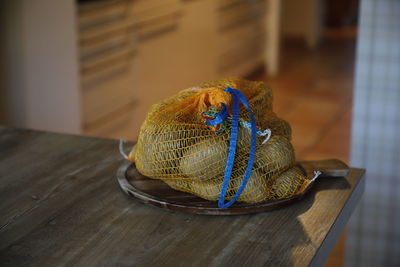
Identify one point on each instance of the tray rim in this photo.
(241, 209)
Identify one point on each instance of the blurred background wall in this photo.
(374, 230)
(39, 70)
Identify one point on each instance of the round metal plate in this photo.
(155, 192)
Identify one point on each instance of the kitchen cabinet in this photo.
(96, 67)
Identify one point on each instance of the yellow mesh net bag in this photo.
(186, 142)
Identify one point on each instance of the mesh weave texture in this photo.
(176, 146)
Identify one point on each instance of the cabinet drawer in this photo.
(242, 53)
(226, 3)
(106, 59)
(240, 12)
(95, 14)
(106, 72)
(156, 26)
(117, 125)
(100, 24)
(100, 46)
(106, 31)
(150, 9)
(106, 97)
(242, 45)
(246, 33)
(154, 17)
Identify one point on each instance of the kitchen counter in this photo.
(60, 205)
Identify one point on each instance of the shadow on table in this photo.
(301, 238)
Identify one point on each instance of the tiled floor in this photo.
(313, 92)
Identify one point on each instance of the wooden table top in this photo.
(60, 204)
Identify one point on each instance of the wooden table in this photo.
(60, 205)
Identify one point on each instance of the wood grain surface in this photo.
(61, 206)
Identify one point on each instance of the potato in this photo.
(289, 183)
(272, 158)
(201, 165)
(158, 153)
(255, 190)
(258, 189)
(204, 165)
(205, 160)
(275, 156)
(205, 189)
